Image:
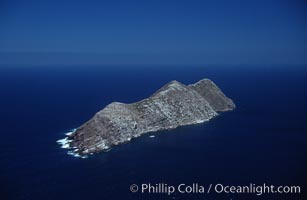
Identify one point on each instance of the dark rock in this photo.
(175, 104)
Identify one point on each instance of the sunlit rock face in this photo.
(173, 105)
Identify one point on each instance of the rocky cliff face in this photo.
(175, 104)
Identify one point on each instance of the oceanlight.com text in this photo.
(197, 188)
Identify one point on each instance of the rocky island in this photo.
(173, 105)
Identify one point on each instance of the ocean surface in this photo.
(264, 140)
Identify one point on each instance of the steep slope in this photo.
(173, 105)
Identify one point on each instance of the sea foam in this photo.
(65, 144)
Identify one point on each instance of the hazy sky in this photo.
(153, 32)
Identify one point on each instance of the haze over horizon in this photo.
(153, 32)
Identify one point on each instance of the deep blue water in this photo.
(263, 141)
